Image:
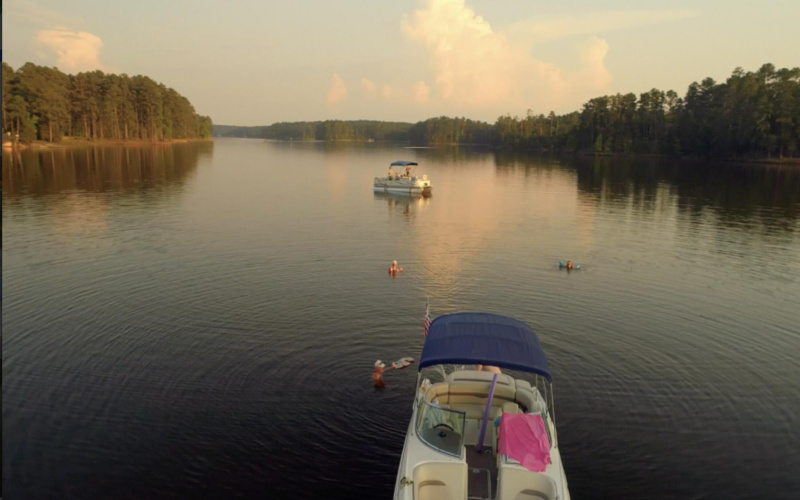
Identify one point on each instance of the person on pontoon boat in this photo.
(487, 368)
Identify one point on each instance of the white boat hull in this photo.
(427, 472)
(403, 186)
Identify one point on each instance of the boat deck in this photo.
(482, 482)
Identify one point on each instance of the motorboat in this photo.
(402, 180)
(481, 434)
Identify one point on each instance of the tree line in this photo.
(44, 103)
(755, 114)
(328, 130)
(750, 114)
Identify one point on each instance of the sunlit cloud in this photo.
(594, 74)
(474, 65)
(74, 50)
(368, 85)
(479, 70)
(337, 92)
(421, 92)
(388, 91)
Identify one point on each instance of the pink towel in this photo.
(523, 438)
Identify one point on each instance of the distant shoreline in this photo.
(69, 142)
(506, 149)
(649, 156)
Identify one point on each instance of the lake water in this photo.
(202, 320)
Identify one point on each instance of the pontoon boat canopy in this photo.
(482, 338)
(403, 163)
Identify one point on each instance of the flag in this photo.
(427, 317)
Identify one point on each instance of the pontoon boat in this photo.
(401, 180)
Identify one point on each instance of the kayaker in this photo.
(570, 266)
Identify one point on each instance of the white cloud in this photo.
(421, 92)
(483, 72)
(594, 74)
(368, 85)
(74, 50)
(337, 92)
(474, 65)
(388, 91)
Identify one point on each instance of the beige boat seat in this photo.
(530, 401)
(440, 481)
(477, 393)
(434, 489)
(438, 391)
(523, 384)
(521, 484)
(468, 393)
(484, 377)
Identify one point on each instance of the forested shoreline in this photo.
(45, 104)
(750, 115)
(329, 130)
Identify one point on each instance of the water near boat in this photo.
(202, 320)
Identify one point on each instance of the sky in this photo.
(257, 62)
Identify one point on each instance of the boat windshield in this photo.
(441, 428)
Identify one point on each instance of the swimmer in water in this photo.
(393, 269)
(377, 375)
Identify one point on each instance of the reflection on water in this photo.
(398, 204)
(179, 324)
(99, 169)
(733, 191)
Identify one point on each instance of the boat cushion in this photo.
(515, 483)
(476, 376)
(437, 391)
(523, 384)
(475, 411)
(434, 490)
(530, 402)
(435, 480)
(475, 392)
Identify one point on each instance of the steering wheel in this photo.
(446, 426)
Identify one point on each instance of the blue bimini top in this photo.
(482, 338)
(403, 163)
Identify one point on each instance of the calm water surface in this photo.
(201, 320)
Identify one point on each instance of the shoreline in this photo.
(75, 143)
(766, 161)
(632, 156)
(70, 143)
